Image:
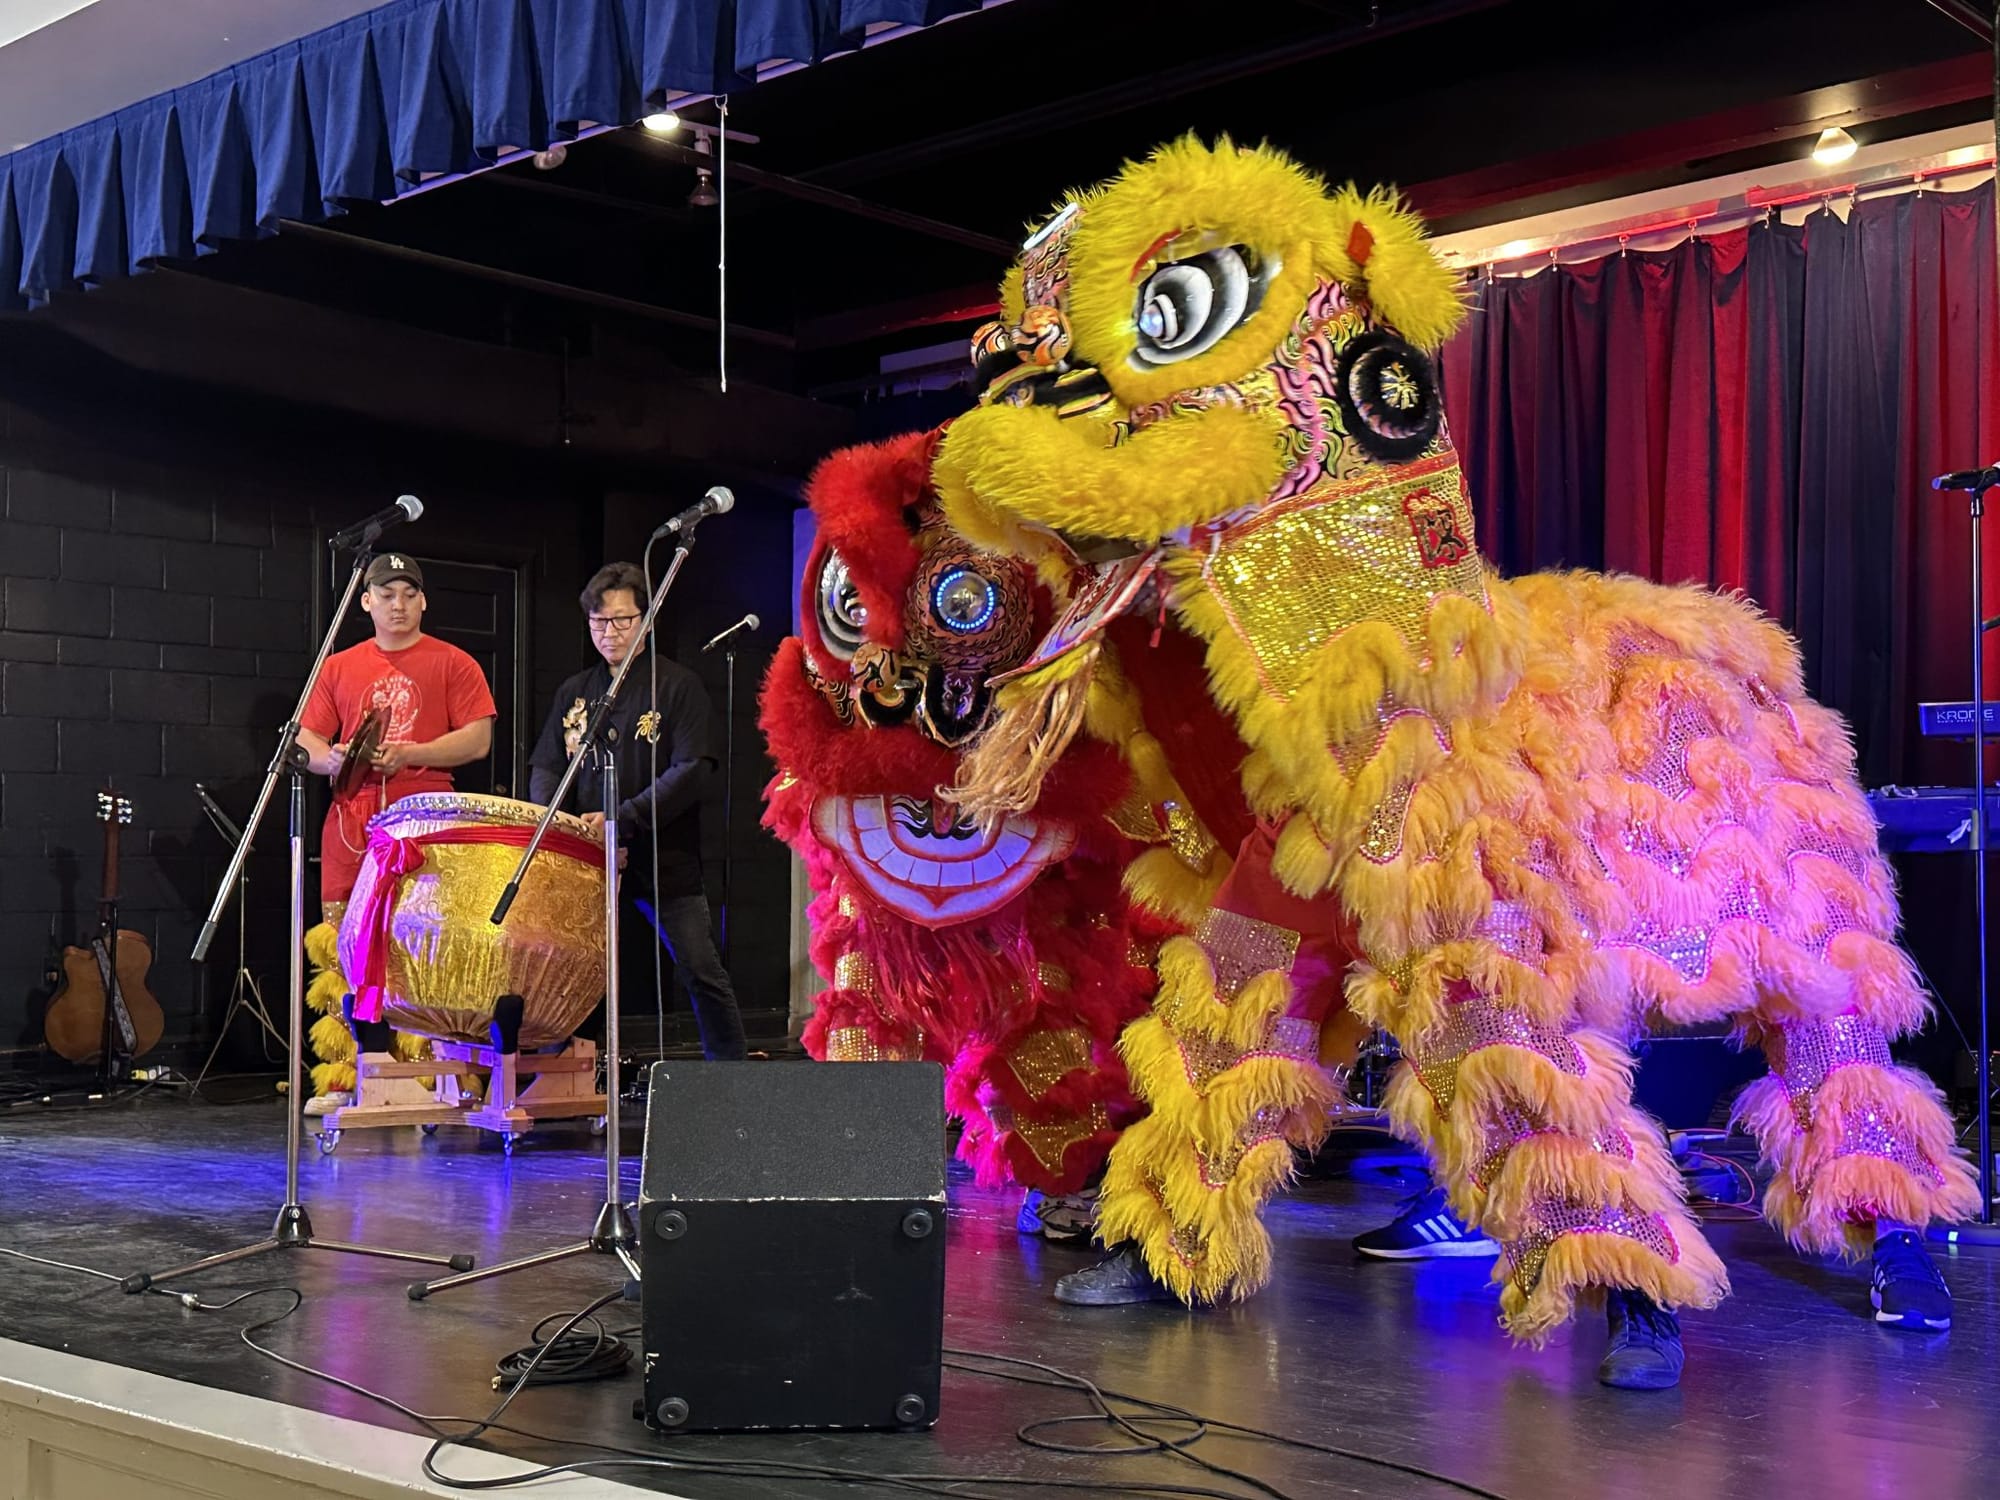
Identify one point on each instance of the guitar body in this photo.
(97, 1015)
(74, 1025)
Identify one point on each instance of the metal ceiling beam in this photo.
(1971, 17)
(1956, 80)
(1154, 88)
(560, 290)
(826, 197)
(839, 330)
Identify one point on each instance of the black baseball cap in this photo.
(391, 566)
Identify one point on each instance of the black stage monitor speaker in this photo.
(791, 1228)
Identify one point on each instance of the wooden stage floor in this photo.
(1790, 1390)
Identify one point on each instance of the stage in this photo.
(1790, 1388)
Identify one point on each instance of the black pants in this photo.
(681, 925)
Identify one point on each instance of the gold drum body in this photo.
(447, 962)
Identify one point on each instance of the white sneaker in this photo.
(326, 1104)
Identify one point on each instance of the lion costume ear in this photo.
(1378, 245)
(1013, 300)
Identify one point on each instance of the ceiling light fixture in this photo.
(665, 122)
(549, 160)
(1833, 147)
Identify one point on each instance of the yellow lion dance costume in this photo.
(1512, 821)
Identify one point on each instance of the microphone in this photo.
(1969, 479)
(406, 508)
(748, 622)
(714, 503)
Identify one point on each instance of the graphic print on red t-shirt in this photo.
(423, 693)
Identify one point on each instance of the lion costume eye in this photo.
(1186, 308)
(964, 601)
(843, 618)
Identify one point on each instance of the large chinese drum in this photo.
(417, 941)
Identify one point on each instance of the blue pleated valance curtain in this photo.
(366, 109)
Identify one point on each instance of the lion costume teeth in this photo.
(1510, 821)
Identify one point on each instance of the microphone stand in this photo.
(292, 1230)
(1984, 1231)
(728, 791)
(245, 994)
(613, 1232)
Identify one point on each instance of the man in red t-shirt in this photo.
(436, 711)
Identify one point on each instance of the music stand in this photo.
(612, 1233)
(245, 994)
(292, 1229)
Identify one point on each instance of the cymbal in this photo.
(361, 748)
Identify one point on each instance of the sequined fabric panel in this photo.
(853, 971)
(1049, 1138)
(1218, 1169)
(1042, 1059)
(1814, 1051)
(1382, 839)
(1512, 928)
(1550, 1220)
(1299, 573)
(1868, 1133)
(1515, 1124)
(1240, 948)
(1470, 1026)
(1188, 839)
(853, 1044)
(1683, 722)
(1204, 1058)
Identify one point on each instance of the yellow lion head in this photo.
(1211, 331)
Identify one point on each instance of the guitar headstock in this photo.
(112, 808)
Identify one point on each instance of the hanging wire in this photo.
(722, 241)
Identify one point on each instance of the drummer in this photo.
(665, 758)
(434, 707)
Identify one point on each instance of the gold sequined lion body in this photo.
(1514, 822)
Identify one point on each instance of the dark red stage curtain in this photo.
(1761, 410)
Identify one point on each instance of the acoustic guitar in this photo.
(102, 1011)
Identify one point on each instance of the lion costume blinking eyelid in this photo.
(1512, 821)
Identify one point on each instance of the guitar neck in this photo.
(110, 885)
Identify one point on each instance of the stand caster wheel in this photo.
(327, 1139)
(507, 1142)
(428, 1129)
(598, 1124)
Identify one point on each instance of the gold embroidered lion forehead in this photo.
(1189, 267)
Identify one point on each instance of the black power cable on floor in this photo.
(574, 1353)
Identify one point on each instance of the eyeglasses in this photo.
(617, 624)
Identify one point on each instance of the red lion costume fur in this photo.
(1011, 955)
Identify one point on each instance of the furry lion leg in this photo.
(1851, 1137)
(1229, 1069)
(1532, 1129)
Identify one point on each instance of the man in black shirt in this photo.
(677, 744)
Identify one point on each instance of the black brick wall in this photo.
(155, 623)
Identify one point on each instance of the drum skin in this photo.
(448, 962)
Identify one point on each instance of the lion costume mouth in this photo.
(931, 877)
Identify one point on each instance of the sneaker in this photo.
(1068, 1220)
(1909, 1292)
(326, 1104)
(1645, 1352)
(1426, 1229)
(1119, 1279)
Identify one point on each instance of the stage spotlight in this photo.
(663, 123)
(1834, 147)
(704, 195)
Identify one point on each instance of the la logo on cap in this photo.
(397, 562)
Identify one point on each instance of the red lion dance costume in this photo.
(1512, 821)
(1008, 955)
